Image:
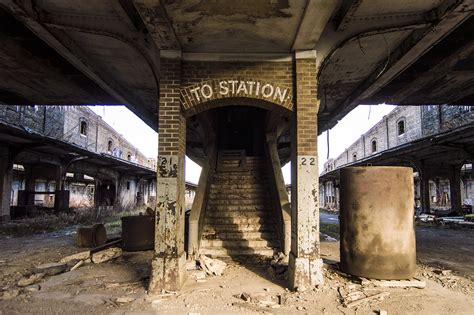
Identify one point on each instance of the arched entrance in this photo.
(239, 210)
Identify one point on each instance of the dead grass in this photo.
(49, 222)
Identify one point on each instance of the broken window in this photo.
(354, 157)
(129, 156)
(128, 185)
(83, 128)
(110, 144)
(401, 127)
(374, 146)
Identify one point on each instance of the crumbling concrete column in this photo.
(305, 265)
(455, 188)
(169, 258)
(6, 174)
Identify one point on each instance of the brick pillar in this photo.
(169, 259)
(6, 174)
(305, 265)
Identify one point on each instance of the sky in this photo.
(346, 132)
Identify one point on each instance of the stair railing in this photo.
(279, 194)
(196, 219)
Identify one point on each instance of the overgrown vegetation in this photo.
(329, 229)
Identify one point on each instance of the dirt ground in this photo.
(119, 286)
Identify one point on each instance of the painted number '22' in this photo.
(312, 161)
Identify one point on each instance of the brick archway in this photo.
(235, 101)
(246, 92)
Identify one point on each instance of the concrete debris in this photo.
(24, 282)
(199, 275)
(279, 267)
(378, 296)
(212, 266)
(125, 300)
(76, 257)
(10, 294)
(191, 265)
(442, 272)
(246, 297)
(398, 283)
(33, 288)
(106, 255)
(51, 269)
(383, 312)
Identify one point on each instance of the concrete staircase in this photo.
(239, 220)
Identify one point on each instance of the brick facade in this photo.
(418, 121)
(64, 123)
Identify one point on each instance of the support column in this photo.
(455, 188)
(61, 195)
(6, 174)
(305, 265)
(168, 265)
(423, 173)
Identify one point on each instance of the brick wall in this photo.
(386, 135)
(47, 120)
(436, 119)
(277, 75)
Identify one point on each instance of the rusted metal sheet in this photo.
(138, 233)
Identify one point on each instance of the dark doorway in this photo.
(241, 128)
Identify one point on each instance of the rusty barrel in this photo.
(91, 236)
(138, 232)
(376, 222)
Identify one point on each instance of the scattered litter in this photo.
(212, 266)
(106, 255)
(77, 265)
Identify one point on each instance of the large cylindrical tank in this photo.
(376, 217)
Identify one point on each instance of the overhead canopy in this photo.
(406, 52)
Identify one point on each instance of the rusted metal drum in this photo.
(376, 217)
(91, 236)
(138, 232)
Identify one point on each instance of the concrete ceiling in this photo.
(370, 51)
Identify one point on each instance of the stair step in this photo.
(240, 235)
(249, 243)
(234, 221)
(226, 252)
(238, 202)
(223, 208)
(268, 226)
(238, 214)
(232, 186)
(236, 196)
